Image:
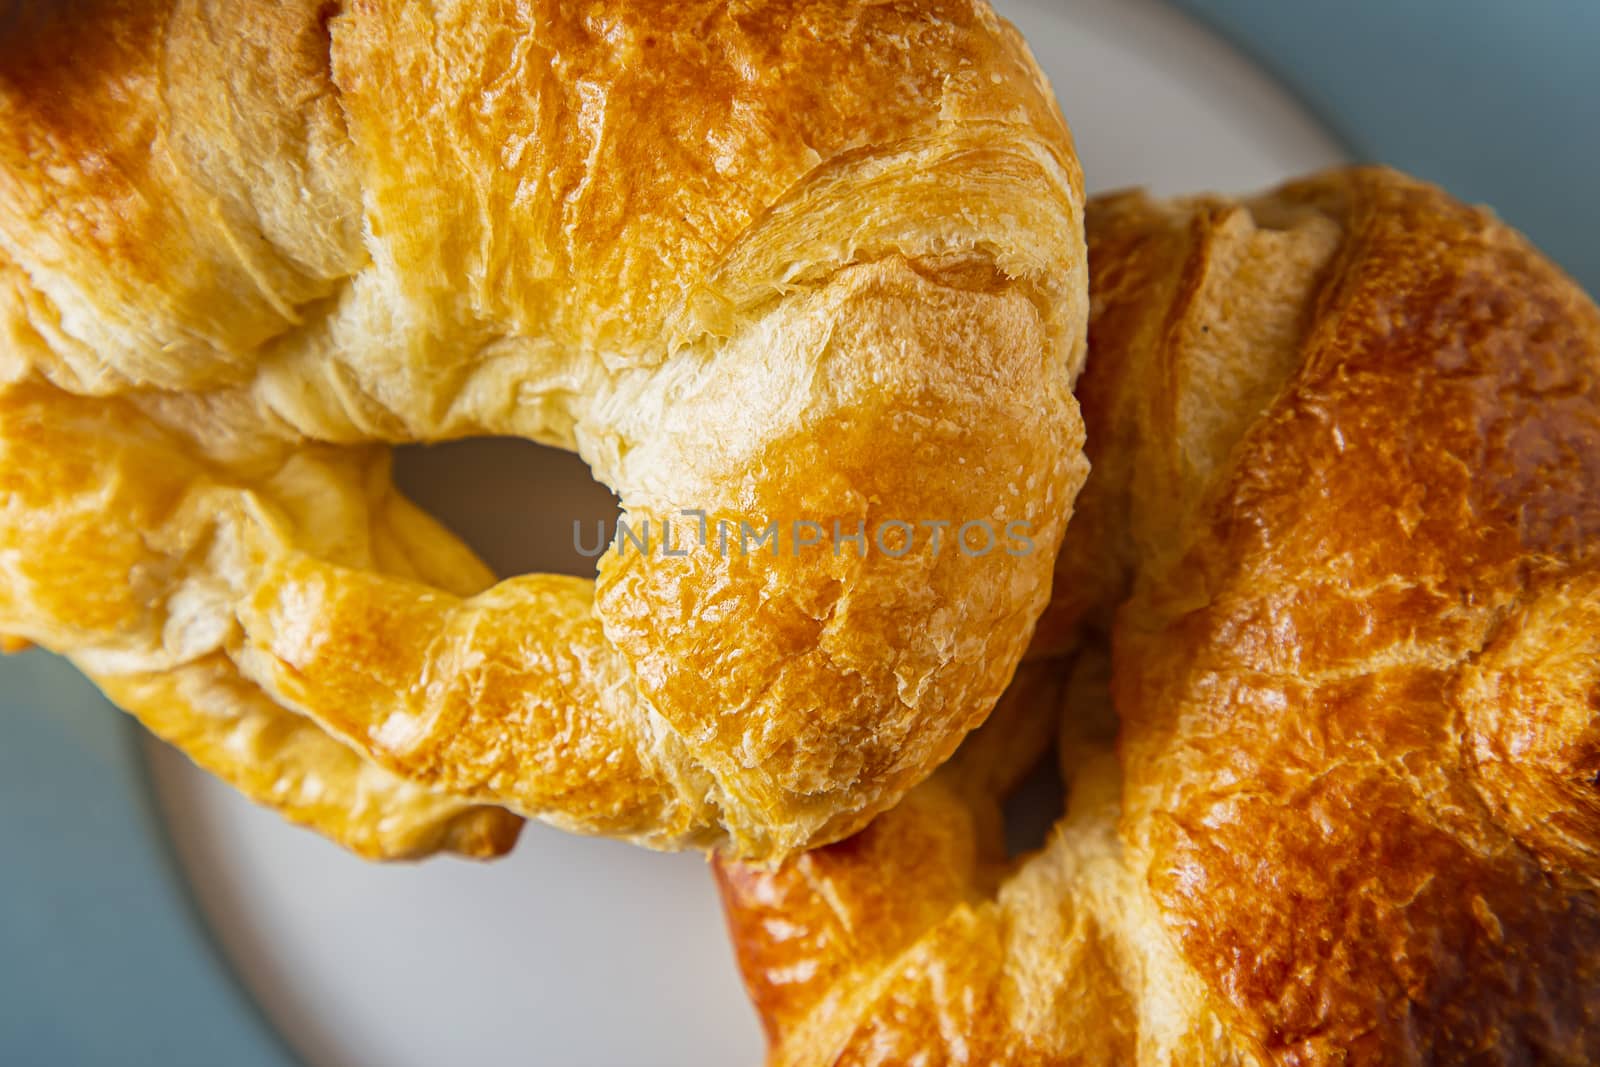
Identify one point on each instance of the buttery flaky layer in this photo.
(770, 262)
(1343, 533)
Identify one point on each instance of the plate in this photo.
(181, 925)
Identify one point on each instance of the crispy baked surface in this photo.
(1346, 506)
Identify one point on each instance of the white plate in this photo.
(579, 952)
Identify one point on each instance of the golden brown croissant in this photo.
(779, 262)
(1346, 492)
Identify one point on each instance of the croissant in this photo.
(1334, 587)
(809, 271)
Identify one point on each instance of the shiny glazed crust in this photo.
(1346, 503)
(773, 261)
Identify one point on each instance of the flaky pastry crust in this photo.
(1346, 509)
(801, 260)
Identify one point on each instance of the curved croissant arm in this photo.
(1344, 529)
(284, 760)
(771, 264)
(106, 522)
(815, 934)
(916, 940)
